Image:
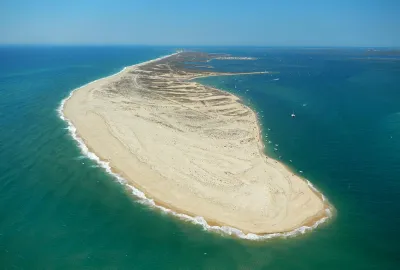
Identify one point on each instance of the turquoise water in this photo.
(59, 210)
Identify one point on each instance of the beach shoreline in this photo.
(208, 223)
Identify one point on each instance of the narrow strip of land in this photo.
(191, 148)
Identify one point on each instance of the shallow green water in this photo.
(59, 210)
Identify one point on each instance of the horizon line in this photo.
(188, 45)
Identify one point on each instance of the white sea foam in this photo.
(225, 230)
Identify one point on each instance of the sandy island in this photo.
(191, 148)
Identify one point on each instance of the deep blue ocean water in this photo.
(59, 210)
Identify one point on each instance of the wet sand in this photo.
(191, 148)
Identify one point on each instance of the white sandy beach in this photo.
(191, 148)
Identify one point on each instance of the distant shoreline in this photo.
(95, 94)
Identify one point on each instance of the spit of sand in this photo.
(191, 148)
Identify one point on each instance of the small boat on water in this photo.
(293, 115)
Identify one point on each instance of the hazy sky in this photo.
(202, 22)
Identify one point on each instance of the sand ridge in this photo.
(192, 148)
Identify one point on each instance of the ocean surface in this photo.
(60, 210)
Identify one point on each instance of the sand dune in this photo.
(192, 148)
